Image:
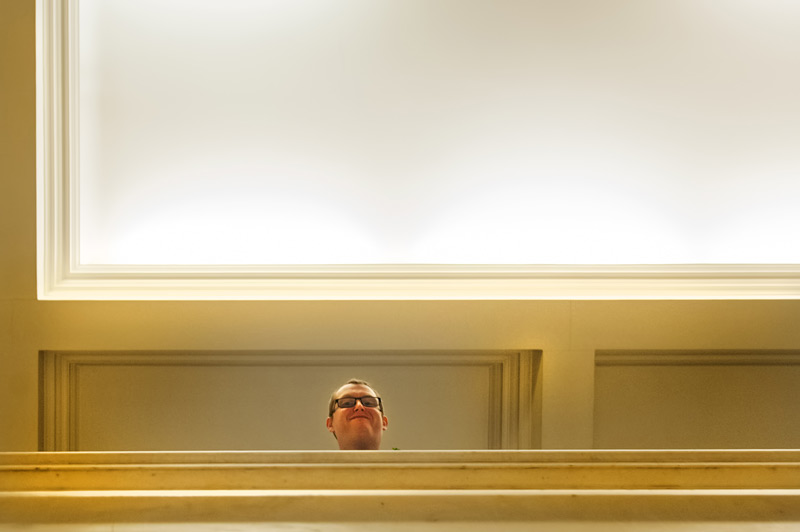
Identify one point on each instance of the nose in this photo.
(358, 405)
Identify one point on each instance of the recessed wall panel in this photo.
(695, 399)
(196, 401)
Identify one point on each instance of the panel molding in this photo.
(697, 358)
(514, 409)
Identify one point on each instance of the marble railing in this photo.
(756, 486)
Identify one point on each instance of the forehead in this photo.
(354, 390)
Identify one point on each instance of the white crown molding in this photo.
(62, 277)
(422, 283)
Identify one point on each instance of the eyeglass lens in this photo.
(349, 402)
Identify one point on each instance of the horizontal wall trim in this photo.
(286, 358)
(463, 470)
(401, 282)
(698, 358)
(332, 510)
(560, 456)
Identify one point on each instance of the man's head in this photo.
(356, 425)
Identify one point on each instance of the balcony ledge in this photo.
(400, 486)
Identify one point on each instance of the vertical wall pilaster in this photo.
(567, 399)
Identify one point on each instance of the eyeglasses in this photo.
(367, 401)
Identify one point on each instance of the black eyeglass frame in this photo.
(359, 399)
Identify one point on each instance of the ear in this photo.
(385, 422)
(329, 424)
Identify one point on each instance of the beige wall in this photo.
(568, 333)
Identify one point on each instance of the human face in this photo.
(358, 427)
